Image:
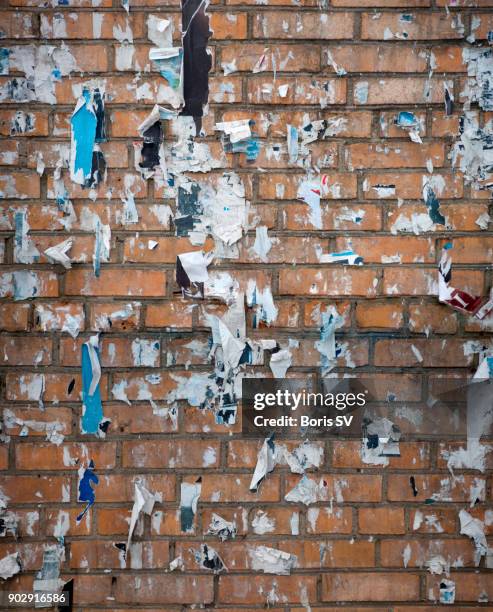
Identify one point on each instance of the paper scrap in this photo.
(10, 565)
(58, 253)
(87, 481)
(92, 409)
(280, 362)
(220, 527)
(144, 502)
(189, 498)
(208, 558)
(48, 578)
(459, 300)
(474, 529)
(271, 560)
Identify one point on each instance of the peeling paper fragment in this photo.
(432, 204)
(189, 498)
(169, 61)
(479, 87)
(48, 578)
(307, 492)
(263, 243)
(8, 524)
(25, 250)
(292, 143)
(236, 130)
(208, 558)
(87, 165)
(309, 191)
(144, 502)
(409, 122)
(348, 258)
(265, 463)
(280, 362)
(271, 560)
(474, 529)
(10, 565)
(474, 151)
(87, 478)
(326, 346)
(58, 253)
(191, 271)
(177, 564)
(457, 299)
(53, 429)
(197, 60)
(381, 440)
(220, 527)
(447, 591)
(479, 421)
(92, 409)
(265, 310)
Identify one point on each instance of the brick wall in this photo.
(364, 549)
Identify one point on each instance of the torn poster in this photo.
(479, 422)
(4, 61)
(307, 455)
(87, 128)
(292, 139)
(8, 523)
(475, 152)
(169, 61)
(479, 87)
(474, 529)
(327, 346)
(238, 138)
(220, 527)
(448, 98)
(48, 578)
(197, 62)
(263, 243)
(348, 258)
(265, 463)
(101, 245)
(10, 565)
(409, 122)
(87, 481)
(92, 409)
(310, 192)
(144, 502)
(176, 564)
(380, 440)
(25, 250)
(279, 363)
(151, 154)
(307, 492)
(235, 130)
(58, 253)
(447, 591)
(208, 558)
(459, 300)
(433, 205)
(271, 560)
(191, 271)
(189, 498)
(261, 299)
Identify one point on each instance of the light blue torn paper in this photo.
(83, 131)
(92, 408)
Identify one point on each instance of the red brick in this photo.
(411, 26)
(306, 25)
(371, 587)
